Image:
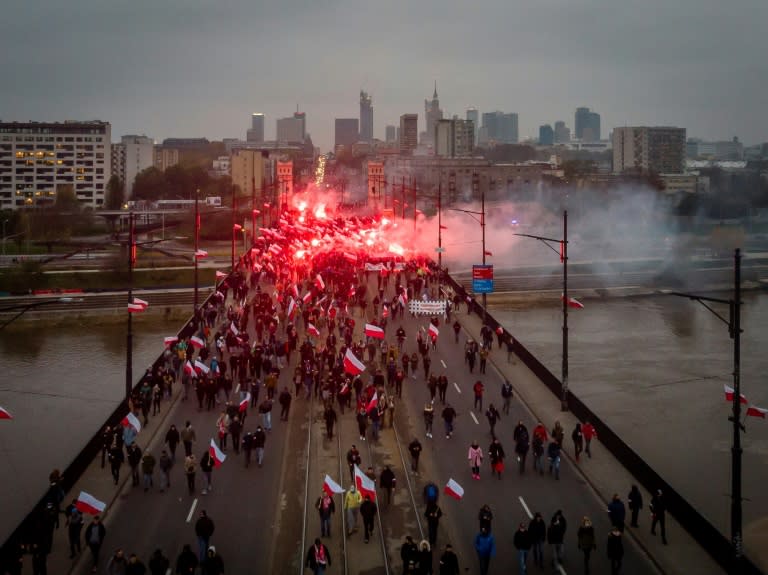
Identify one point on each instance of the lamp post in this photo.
(734, 331)
(563, 252)
(234, 223)
(129, 336)
(481, 221)
(197, 245)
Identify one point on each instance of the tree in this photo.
(66, 200)
(115, 193)
(149, 185)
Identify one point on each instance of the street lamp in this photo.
(563, 252)
(481, 221)
(197, 246)
(734, 331)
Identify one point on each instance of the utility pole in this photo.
(197, 245)
(129, 336)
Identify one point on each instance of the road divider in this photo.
(192, 510)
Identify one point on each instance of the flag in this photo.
(373, 404)
(188, 369)
(312, 330)
(237, 227)
(573, 302)
(755, 411)
(352, 364)
(351, 293)
(307, 297)
(220, 275)
(350, 257)
(374, 331)
(291, 308)
(233, 329)
(140, 302)
(729, 395)
(196, 342)
(433, 331)
(87, 503)
(331, 487)
(135, 308)
(201, 367)
(170, 340)
(385, 311)
(319, 283)
(454, 489)
(244, 403)
(403, 299)
(487, 253)
(332, 311)
(201, 254)
(132, 421)
(365, 484)
(4, 414)
(216, 453)
(295, 290)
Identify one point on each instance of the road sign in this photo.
(482, 278)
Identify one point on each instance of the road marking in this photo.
(192, 510)
(237, 389)
(560, 569)
(472, 413)
(527, 511)
(456, 385)
(444, 366)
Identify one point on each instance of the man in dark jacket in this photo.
(635, 500)
(659, 510)
(204, 528)
(616, 512)
(318, 558)
(387, 481)
(94, 537)
(368, 511)
(186, 562)
(409, 553)
(522, 542)
(449, 562)
(213, 564)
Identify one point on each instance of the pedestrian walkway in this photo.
(603, 471)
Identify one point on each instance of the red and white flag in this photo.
(486, 252)
(201, 254)
(216, 453)
(331, 487)
(200, 367)
(374, 403)
(352, 364)
(729, 395)
(233, 329)
(351, 292)
(332, 311)
(131, 420)
(433, 331)
(5, 414)
(291, 308)
(365, 484)
(189, 369)
(244, 403)
(454, 489)
(135, 308)
(170, 340)
(754, 411)
(573, 302)
(140, 302)
(196, 342)
(307, 297)
(312, 330)
(295, 290)
(87, 503)
(319, 283)
(403, 299)
(374, 331)
(385, 311)
(220, 275)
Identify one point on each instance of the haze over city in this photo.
(199, 69)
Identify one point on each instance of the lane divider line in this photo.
(527, 511)
(444, 366)
(456, 385)
(472, 413)
(192, 510)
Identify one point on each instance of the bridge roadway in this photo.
(258, 511)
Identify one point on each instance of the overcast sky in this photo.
(194, 68)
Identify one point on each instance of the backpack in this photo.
(432, 492)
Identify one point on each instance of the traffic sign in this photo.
(482, 278)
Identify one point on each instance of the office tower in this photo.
(346, 132)
(292, 129)
(454, 138)
(409, 135)
(132, 155)
(366, 117)
(249, 168)
(562, 133)
(587, 125)
(546, 135)
(499, 128)
(391, 134)
(255, 134)
(473, 115)
(432, 113)
(642, 149)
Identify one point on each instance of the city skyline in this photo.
(634, 65)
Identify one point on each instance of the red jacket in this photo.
(588, 431)
(478, 388)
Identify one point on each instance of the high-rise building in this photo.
(546, 135)
(346, 132)
(132, 155)
(562, 133)
(249, 170)
(37, 159)
(409, 134)
(499, 128)
(292, 129)
(642, 149)
(473, 115)
(432, 113)
(255, 134)
(454, 138)
(366, 117)
(587, 125)
(391, 134)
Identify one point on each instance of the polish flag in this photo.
(4, 414)
(295, 290)
(274, 248)
(312, 330)
(454, 490)
(87, 503)
(374, 331)
(433, 331)
(244, 403)
(755, 411)
(385, 311)
(196, 342)
(331, 487)
(188, 369)
(140, 302)
(729, 395)
(201, 254)
(352, 364)
(200, 367)
(350, 257)
(319, 282)
(169, 341)
(216, 453)
(132, 421)
(291, 308)
(220, 275)
(233, 329)
(374, 403)
(365, 484)
(307, 297)
(487, 253)
(237, 227)
(135, 308)
(573, 302)
(403, 299)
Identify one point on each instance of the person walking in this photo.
(475, 457)
(522, 542)
(659, 511)
(426, 559)
(506, 394)
(116, 458)
(578, 440)
(326, 508)
(94, 538)
(187, 561)
(522, 444)
(117, 564)
(485, 547)
(318, 558)
(478, 390)
(362, 423)
(204, 528)
(368, 510)
(190, 470)
(414, 448)
(148, 469)
(493, 416)
(134, 459)
(449, 561)
(449, 414)
(159, 564)
(207, 463)
(616, 512)
(635, 500)
(172, 438)
(213, 564)
(429, 418)
(590, 433)
(387, 481)
(433, 515)
(107, 437)
(135, 566)
(615, 550)
(166, 463)
(352, 502)
(284, 399)
(353, 458)
(259, 440)
(74, 527)
(553, 453)
(558, 433)
(188, 437)
(537, 532)
(409, 555)
(496, 453)
(330, 417)
(586, 541)
(485, 517)
(556, 537)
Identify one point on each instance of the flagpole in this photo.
(564, 403)
(439, 237)
(736, 516)
(129, 336)
(197, 241)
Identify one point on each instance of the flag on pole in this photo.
(319, 283)
(312, 330)
(487, 253)
(201, 254)
(433, 331)
(87, 503)
(729, 395)
(244, 403)
(403, 299)
(170, 340)
(140, 302)
(220, 275)
(573, 302)
(197, 342)
(291, 308)
(295, 290)
(4, 414)
(352, 364)
(131, 420)
(754, 411)
(217, 454)
(135, 308)
(374, 331)
(374, 403)
(331, 487)
(385, 311)
(307, 297)
(454, 490)
(365, 484)
(189, 369)
(201, 367)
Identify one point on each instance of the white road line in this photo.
(192, 510)
(456, 385)
(444, 366)
(237, 389)
(527, 511)
(472, 413)
(560, 569)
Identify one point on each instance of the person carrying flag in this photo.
(318, 558)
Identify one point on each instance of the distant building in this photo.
(587, 125)
(293, 129)
(366, 117)
(562, 133)
(391, 134)
(454, 138)
(432, 113)
(186, 143)
(165, 157)
(641, 149)
(722, 150)
(546, 135)
(249, 169)
(376, 182)
(499, 128)
(255, 134)
(345, 132)
(221, 166)
(284, 181)
(132, 155)
(409, 134)
(39, 158)
(473, 115)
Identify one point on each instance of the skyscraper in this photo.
(500, 128)
(587, 125)
(642, 149)
(546, 135)
(473, 115)
(562, 133)
(454, 138)
(391, 134)
(292, 129)
(346, 132)
(366, 117)
(432, 113)
(256, 133)
(409, 134)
